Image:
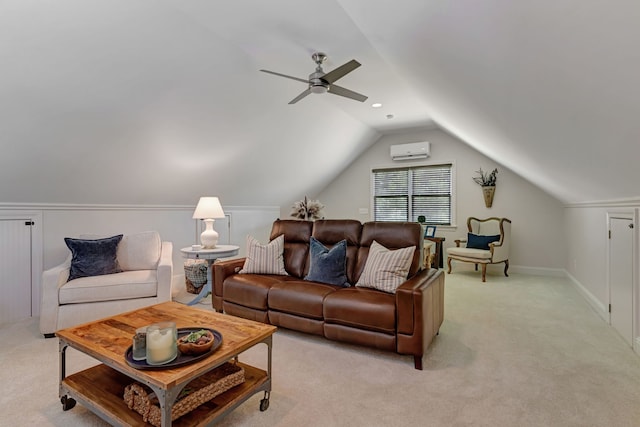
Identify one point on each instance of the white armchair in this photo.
(486, 243)
(147, 270)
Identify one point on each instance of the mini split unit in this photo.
(415, 150)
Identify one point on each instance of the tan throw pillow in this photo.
(385, 269)
(264, 259)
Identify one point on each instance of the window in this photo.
(403, 194)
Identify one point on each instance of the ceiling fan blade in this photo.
(341, 71)
(339, 90)
(284, 75)
(299, 97)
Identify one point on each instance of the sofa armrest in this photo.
(52, 280)
(420, 311)
(406, 296)
(222, 270)
(165, 272)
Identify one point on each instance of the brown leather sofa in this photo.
(405, 322)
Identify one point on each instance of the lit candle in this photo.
(161, 343)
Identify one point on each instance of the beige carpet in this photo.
(517, 351)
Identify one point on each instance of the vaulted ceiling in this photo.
(153, 102)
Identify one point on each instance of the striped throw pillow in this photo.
(385, 269)
(264, 259)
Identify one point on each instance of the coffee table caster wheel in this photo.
(264, 404)
(68, 403)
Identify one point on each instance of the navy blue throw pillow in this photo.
(475, 241)
(328, 265)
(93, 257)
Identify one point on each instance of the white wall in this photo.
(174, 223)
(538, 239)
(586, 227)
(586, 230)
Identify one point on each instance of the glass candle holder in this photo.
(140, 344)
(162, 344)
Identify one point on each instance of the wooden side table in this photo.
(438, 258)
(220, 251)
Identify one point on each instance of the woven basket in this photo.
(190, 288)
(195, 275)
(141, 399)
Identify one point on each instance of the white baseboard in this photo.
(598, 306)
(537, 271)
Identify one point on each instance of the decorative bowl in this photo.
(195, 343)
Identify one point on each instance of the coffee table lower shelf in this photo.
(101, 390)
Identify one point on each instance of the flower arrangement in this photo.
(307, 209)
(486, 179)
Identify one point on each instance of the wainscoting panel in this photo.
(174, 223)
(15, 269)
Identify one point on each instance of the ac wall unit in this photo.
(412, 151)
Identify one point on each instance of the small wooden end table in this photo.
(220, 251)
(100, 388)
(439, 257)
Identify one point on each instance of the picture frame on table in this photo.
(430, 231)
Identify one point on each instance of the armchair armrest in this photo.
(164, 273)
(52, 280)
(499, 251)
(460, 241)
(221, 270)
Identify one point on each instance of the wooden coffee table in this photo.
(101, 387)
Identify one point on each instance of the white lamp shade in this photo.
(208, 208)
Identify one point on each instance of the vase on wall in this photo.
(488, 191)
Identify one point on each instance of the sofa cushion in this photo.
(296, 244)
(249, 290)
(140, 251)
(328, 265)
(117, 286)
(392, 235)
(264, 259)
(332, 231)
(93, 257)
(475, 241)
(361, 308)
(469, 253)
(301, 298)
(386, 269)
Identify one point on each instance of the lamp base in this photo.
(209, 237)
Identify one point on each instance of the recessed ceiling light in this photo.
(389, 116)
(376, 105)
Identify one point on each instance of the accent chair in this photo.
(487, 242)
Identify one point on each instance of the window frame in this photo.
(454, 203)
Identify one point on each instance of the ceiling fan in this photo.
(321, 82)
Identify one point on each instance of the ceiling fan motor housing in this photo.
(317, 84)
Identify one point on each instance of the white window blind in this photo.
(403, 194)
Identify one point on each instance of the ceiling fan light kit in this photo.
(321, 82)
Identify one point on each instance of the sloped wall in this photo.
(538, 242)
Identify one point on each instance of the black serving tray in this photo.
(181, 359)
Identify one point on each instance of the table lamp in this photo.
(208, 208)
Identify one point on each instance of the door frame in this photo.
(36, 251)
(629, 214)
